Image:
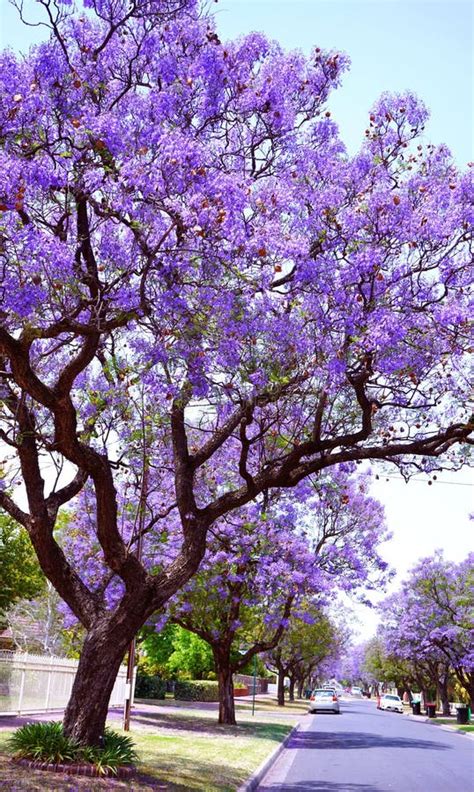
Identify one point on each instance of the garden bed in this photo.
(75, 768)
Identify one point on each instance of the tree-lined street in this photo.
(364, 750)
(219, 326)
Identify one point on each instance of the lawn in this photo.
(297, 707)
(178, 751)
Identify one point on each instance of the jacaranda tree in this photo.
(430, 623)
(190, 258)
(264, 569)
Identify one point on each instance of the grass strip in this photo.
(466, 727)
(178, 752)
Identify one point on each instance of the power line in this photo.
(424, 481)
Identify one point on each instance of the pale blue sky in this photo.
(427, 47)
(423, 45)
(393, 45)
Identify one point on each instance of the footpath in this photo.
(451, 727)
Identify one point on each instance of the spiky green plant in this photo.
(48, 743)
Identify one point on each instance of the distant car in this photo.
(324, 700)
(356, 691)
(391, 702)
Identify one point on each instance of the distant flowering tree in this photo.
(353, 665)
(259, 571)
(376, 667)
(308, 643)
(430, 623)
(188, 254)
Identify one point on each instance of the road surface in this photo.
(366, 750)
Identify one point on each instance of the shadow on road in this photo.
(347, 740)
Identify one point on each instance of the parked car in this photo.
(356, 691)
(324, 700)
(391, 702)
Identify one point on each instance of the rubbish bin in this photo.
(307, 693)
(431, 710)
(416, 707)
(462, 714)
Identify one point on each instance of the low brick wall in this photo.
(247, 679)
(240, 692)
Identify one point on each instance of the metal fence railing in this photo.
(38, 683)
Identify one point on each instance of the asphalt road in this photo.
(365, 750)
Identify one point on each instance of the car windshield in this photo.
(323, 693)
(393, 698)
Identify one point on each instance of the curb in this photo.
(252, 783)
(443, 726)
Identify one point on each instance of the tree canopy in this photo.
(21, 574)
(205, 298)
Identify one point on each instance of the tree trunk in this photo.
(291, 695)
(226, 686)
(442, 685)
(300, 687)
(101, 656)
(281, 687)
(466, 680)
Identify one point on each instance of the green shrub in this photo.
(151, 687)
(239, 685)
(117, 750)
(196, 690)
(48, 743)
(44, 741)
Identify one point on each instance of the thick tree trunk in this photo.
(226, 686)
(281, 688)
(86, 712)
(291, 694)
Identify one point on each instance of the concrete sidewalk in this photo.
(445, 726)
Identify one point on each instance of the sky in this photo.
(394, 45)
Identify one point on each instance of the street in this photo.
(365, 750)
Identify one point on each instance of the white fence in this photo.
(34, 683)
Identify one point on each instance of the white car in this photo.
(391, 702)
(324, 700)
(356, 691)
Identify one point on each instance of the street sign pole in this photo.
(254, 682)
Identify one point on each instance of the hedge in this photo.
(150, 687)
(196, 690)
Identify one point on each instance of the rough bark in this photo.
(86, 712)
(226, 687)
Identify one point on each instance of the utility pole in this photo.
(141, 527)
(254, 682)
